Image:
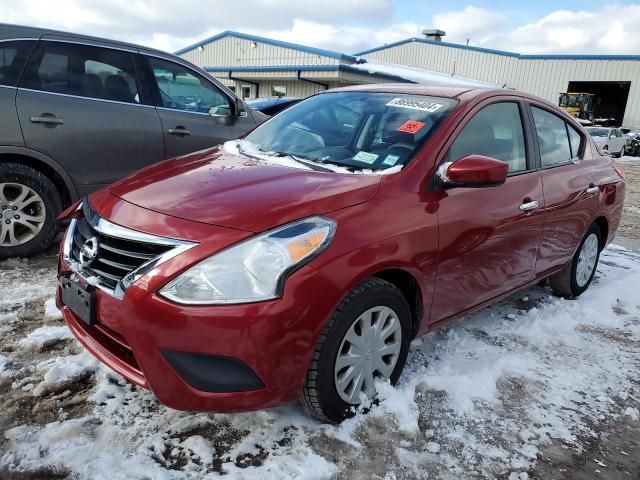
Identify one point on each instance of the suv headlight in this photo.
(254, 269)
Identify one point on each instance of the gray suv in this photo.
(77, 113)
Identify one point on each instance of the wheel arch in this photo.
(410, 288)
(603, 225)
(45, 165)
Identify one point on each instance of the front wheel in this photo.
(578, 274)
(367, 339)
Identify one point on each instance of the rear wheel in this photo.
(578, 274)
(366, 339)
(29, 205)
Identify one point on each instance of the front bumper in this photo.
(210, 358)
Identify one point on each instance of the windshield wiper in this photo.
(307, 162)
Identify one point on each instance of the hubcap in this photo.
(587, 260)
(22, 214)
(369, 350)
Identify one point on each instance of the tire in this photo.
(569, 283)
(320, 393)
(33, 220)
(619, 154)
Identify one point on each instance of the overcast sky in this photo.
(348, 26)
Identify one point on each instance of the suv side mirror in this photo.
(474, 171)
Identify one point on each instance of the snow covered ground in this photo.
(532, 385)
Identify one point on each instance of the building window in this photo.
(246, 92)
(278, 91)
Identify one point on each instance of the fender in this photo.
(40, 157)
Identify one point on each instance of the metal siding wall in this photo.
(543, 77)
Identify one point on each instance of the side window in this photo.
(575, 141)
(495, 131)
(553, 138)
(83, 71)
(13, 56)
(182, 89)
(618, 133)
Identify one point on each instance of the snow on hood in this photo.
(245, 148)
(419, 75)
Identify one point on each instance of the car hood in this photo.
(219, 188)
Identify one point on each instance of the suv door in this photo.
(195, 113)
(85, 107)
(488, 237)
(13, 56)
(570, 187)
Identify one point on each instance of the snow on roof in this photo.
(419, 75)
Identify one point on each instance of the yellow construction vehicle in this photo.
(579, 105)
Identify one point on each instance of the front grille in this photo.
(121, 253)
(116, 257)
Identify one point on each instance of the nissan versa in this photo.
(300, 261)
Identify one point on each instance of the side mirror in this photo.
(474, 171)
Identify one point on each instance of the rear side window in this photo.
(495, 131)
(13, 56)
(575, 141)
(554, 138)
(83, 71)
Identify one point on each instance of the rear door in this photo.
(195, 113)
(84, 106)
(570, 186)
(488, 237)
(13, 56)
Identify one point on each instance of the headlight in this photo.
(253, 270)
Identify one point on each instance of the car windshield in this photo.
(598, 132)
(354, 130)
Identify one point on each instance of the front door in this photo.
(488, 237)
(195, 113)
(82, 106)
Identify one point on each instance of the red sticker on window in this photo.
(410, 126)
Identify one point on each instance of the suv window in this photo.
(83, 71)
(13, 56)
(495, 131)
(554, 138)
(182, 89)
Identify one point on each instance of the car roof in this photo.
(10, 31)
(447, 91)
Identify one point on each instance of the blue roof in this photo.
(503, 52)
(269, 41)
(306, 68)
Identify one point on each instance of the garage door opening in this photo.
(610, 100)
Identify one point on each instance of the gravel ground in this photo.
(531, 388)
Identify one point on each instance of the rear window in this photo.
(355, 130)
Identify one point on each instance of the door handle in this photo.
(47, 120)
(180, 131)
(592, 190)
(527, 206)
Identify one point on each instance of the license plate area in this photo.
(81, 300)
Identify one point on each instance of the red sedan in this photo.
(300, 261)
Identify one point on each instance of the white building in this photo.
(261, 67)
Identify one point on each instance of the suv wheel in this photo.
(366, 339)
(29, 205)
(577, 276)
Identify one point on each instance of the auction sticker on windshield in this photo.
(411, 126)
(415, 104)
(365, 157)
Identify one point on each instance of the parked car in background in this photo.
(302, 260)
(79, 112)
(631, 133)
(610, 140)
(271, 106)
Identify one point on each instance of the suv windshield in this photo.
(356, 130)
